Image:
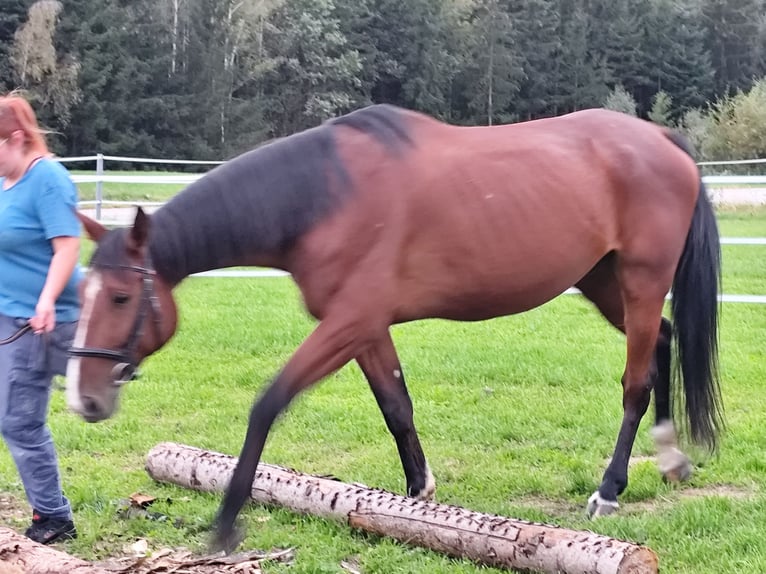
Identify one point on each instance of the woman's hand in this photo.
(45, 316)
(65, 253)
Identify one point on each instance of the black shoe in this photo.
(46, 530)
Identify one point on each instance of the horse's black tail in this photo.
(695, 321)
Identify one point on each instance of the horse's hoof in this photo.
(428, 491)
(674, 465)
(598, 506)
(226, 540)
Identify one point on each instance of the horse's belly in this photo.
(499, 261)
(484, 297)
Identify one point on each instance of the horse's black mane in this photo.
(261, 201)
(384, 122)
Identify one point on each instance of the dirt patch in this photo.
(738, 196)
(14, 512)
(552, 507)
(557, 508)
(667, 499)
(723, 490)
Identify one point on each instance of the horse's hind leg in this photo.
(672, 463)
(384, 374)
(643, 303)
(602, 287)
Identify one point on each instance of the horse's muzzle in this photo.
(92, 411)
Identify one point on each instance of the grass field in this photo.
(517, 416)
(128, 191)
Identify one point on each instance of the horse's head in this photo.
(127, 313)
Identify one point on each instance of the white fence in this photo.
(101, 177)
(723, 297)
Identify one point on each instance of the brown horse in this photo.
(384, 216)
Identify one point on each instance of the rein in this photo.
(17, 335)
(126, 368)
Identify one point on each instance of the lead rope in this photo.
(17, 335)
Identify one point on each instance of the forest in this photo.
(208, 79)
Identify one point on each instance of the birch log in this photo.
(20, 555)
(484, 538)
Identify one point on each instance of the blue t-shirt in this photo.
(39, 207)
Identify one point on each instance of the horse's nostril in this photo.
(90, 406)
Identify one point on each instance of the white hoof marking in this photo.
(430, 488)
(673, 464)
(598, 506)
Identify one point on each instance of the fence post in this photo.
(99, 184)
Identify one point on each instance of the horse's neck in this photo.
(250, 210)
(194, 238)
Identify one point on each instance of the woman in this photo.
(39, 247)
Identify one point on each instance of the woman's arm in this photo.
(66, 252)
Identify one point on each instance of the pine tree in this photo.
(734, 37)
(490, 79)
(539, 40)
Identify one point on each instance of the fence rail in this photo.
(101, 177)
(268, 273)
(188, 178)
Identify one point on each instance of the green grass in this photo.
(742, 221)
(517, 417)
(128, 191)
(744, 271)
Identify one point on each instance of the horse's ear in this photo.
(92, 227)
(139, 233)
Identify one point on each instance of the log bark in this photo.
(487, 539)
(20, 555)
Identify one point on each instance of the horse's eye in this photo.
(120, 298)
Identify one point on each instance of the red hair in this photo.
(17, 115)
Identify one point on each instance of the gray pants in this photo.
(27, 367)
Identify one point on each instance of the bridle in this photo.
(126, 368)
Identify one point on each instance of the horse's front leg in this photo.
(380, 365)
(642, 322)
(335, 341)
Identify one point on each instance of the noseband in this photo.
(126, 368)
